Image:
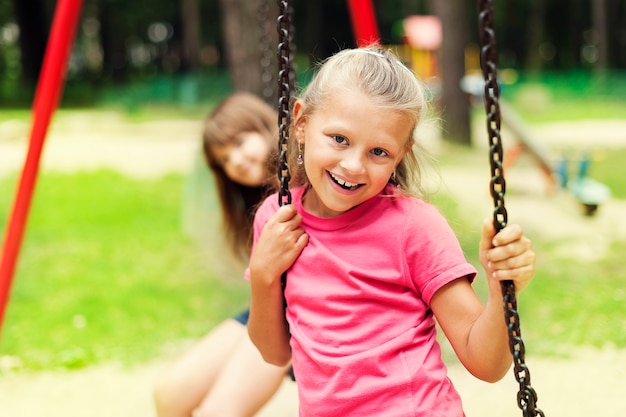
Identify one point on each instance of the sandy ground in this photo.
(590, 382)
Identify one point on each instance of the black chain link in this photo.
(284, 26)
(526, 396)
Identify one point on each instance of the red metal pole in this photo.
(49, 88)
(364, 24)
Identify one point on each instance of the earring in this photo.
(300, 160)
(393, 177)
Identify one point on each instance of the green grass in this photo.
(610, 169)
(106, 273)
(140, 114)
(576, 302)
(569, 303)
(571, 110)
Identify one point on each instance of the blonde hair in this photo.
(379, 74)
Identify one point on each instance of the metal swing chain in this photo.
(526, 396)
(284, 27)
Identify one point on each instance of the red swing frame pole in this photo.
(364, 24)
(47, 95)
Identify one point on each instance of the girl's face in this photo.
(244, 160)
(351, 149)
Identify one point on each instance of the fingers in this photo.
(511, 256)
(488, 233)
(280, 243)
(285, 213)
(514, 265)
(510, 244)
(510, 233)
(284, 226)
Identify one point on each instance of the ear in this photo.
(299, 121)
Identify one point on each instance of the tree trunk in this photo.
(191, 34)
(598, 12)
(114, 62)
(535, 31)
(242, 32)
(33, 37)
(454, 102)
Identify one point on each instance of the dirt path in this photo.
(591, 382)
(588, 384)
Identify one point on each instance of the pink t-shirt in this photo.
(363, 337)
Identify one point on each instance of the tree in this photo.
(191, 34)
(454, 102)
(113, 38)
(599, 14)
(535, 31)
(242, 32)
(32, 21)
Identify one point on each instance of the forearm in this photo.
(507, 255)
(267, 326)
(488, 355)
(476, 332)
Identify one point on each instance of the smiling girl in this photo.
(370, 264)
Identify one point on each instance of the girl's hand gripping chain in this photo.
(507, 255)
(278, 246)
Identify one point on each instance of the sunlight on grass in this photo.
(610, 169)
(106, 273)
(577, 303)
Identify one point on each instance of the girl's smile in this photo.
(351, 148)
(345, 185)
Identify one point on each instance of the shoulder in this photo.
(413, 209)
(420, 222)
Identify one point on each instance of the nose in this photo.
(236, 157)
(352, 162)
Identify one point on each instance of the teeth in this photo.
(343, 183)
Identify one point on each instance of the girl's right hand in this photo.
(279, 244)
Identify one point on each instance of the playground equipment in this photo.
(589, 192)
(49, 88)
(556, 171)
(422, 35)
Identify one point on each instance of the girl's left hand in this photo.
(507, 255)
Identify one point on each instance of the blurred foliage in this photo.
(122, 43)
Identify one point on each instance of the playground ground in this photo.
(589, 382)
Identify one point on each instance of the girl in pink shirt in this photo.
(370, 264)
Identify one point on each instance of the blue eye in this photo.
(339, 139)
(379, 152)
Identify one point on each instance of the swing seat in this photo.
(590, 193)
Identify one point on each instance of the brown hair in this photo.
(239, 113)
